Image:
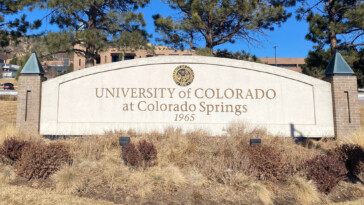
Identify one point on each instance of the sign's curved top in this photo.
(185, 60)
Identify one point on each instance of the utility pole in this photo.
(275, 54)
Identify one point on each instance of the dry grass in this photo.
(355, 138)
(7, 113)
(304, 191)
(13, 195)
(193, 168)
(361, 116)
(8, 80)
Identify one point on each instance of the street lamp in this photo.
(275, 54)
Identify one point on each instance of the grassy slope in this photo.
(174, 180)
(24, 195)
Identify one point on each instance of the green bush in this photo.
(40, 161)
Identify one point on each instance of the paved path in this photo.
(8, 92)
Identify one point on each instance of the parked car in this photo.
(8, 86)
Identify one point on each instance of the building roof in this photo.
(338, 66)
(271, 61)
(33, 66)
(9, 66)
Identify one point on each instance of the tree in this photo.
(318, 60)
(20, 62)
(331, 19)
(12, 30)
(219, 21)
(238, 55)
(70, 68)
(95, 25)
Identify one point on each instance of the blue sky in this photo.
(289, 38)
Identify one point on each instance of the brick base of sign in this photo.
(29, 102)
(345, 104)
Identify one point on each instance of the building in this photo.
(115, 55)
(294, 64)
(8, 70)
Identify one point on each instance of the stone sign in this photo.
(187, 92)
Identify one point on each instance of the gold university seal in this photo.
(183, 75)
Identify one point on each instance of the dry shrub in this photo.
(236, 129)
(66, 180)
(8, 132)
(266, 163)
(93, 147)
(40, 161)
(347, 192)
(354, 159)
(305, 192)
(356, 137)
(293, 153)
(145, 155)
(148, 153)
(131, 155)
(326, 171)
(265, 196)
(12, 149)
(7, 174)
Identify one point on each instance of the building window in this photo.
(105, 59)
(115, 58)
(129, 57)
(98, 60)
(79, 62)
(284, 65)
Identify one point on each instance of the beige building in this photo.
(114, 55)
(294, 64)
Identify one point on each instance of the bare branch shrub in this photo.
(354, 158)
(12, 149)
(144, 155)
(40, 161)
(266, 163)
(148, 153)
(131, 155)
(326, 171)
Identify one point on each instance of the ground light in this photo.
(123, 141)
(255, 141)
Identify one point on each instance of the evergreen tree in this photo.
(20, 62)
(318, 60)
(339, 24)
(95, 25)
(330, 19)
(12, 30)
(219, 21)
